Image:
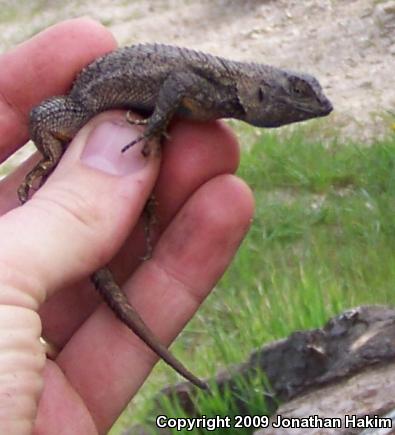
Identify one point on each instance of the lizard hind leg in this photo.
(53, 124)
(40, 172)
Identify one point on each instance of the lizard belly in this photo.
(193, 109)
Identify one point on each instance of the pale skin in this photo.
(83, 218)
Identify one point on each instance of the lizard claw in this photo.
(23, 192)
(166, 135)
(131, 119)
(148, 147)
(134, 142)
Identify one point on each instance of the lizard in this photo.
(160, 82)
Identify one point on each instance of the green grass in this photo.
(323, 240)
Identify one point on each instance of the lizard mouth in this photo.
(326, 108)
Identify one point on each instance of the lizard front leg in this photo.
(175, 91)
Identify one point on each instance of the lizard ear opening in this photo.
(261, 95)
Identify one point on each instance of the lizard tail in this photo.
(118, 302)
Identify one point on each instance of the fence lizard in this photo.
(161, 81)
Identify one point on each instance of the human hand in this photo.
(84, 217)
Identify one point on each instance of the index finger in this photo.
(44, 65)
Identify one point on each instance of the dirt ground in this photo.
(348, 44)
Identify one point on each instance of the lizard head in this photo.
(285, 97)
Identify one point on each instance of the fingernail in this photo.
(103, 148)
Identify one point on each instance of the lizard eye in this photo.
(300, 89)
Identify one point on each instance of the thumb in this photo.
(71, 226)
(80, 217)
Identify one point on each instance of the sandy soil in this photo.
(348, 44)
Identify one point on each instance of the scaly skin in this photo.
(161, 81)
